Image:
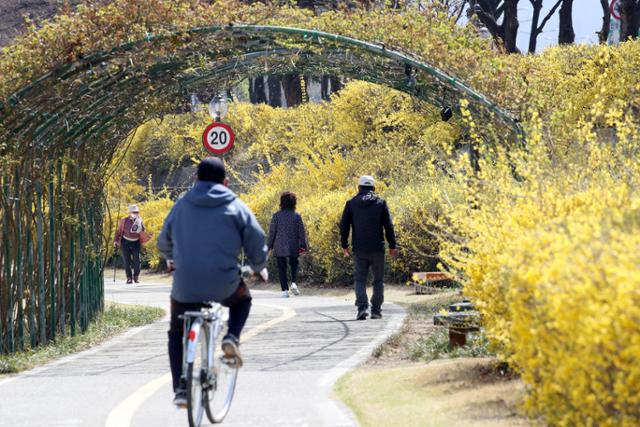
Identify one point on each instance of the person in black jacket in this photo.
(368, 216)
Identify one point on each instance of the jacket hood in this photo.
(367, 197)
(210, 194)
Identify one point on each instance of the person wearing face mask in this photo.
(128, 239)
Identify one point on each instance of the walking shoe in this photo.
(231, 349)
(285, 294)
(129, 281)
(136, 279)
(294, 289)
(180, 398)
(362, 314)
(376, 315)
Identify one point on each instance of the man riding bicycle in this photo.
(201, 239)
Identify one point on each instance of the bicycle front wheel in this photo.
(219, 395)
(197, 380)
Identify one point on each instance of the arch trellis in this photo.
(58, 136)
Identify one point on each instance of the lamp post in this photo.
(218, 108)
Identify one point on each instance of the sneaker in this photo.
(129, 281)
(231, 349)
(376, 315)
(285, 294)
(180, 398)
(136, 279)
(362, 314)
(294, 289)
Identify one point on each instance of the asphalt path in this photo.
(294, 350)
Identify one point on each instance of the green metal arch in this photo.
(72, 118)
(308, 36)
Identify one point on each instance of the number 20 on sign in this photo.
(218, 138)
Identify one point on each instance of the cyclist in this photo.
(202, 238)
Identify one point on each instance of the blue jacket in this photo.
(204, 234)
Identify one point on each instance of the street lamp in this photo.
(218, 108)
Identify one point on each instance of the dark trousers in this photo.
(239, 307)
(282, 270)
(131, 257)
(364, 262)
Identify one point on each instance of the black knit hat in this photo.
(211, 169)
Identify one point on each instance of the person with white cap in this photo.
(128, 238)
(368, 219)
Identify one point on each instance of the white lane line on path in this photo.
(122, 414)
(329, 379)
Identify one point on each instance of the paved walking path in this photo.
(294, 350)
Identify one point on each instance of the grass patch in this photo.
(414, 340)
(460, 392)
(436, 346)
(455, 387)
(115, 319)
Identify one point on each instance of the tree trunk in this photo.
(533, 37)
(257, 92)
(629, 19)
(566, 35)
(489, 11)
(275, 91)
(336, 84)
(510, 25)
(324, 87)
(603, 34)
(292, 90)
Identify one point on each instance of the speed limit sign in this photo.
(218, 138)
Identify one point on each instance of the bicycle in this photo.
(211, 380)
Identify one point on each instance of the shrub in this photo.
(548, 251)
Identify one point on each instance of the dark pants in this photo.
(239, 307)
(282, 270)
(131, 257)
(364, 261)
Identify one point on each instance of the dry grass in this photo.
(392, 390)
(459, 392)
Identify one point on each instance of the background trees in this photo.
(629, 11)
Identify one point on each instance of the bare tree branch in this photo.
(549, 15)
(461, 10)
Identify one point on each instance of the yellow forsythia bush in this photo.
(549, 252)
(153, 212)
(318, 151)
(575, 304)
(558, 284)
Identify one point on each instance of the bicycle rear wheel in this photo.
(219, 394)
(196, 378)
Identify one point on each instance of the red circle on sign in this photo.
(613, 9)
(218, 138)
